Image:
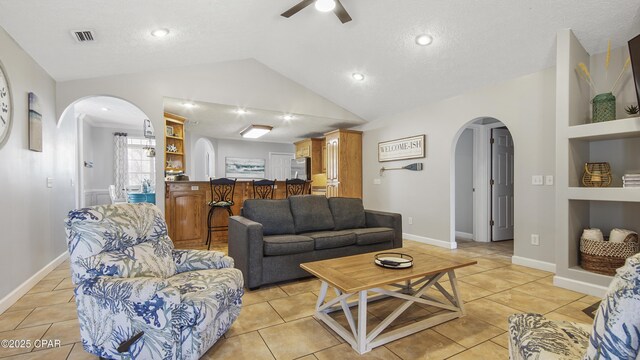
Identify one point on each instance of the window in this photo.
(139, 165)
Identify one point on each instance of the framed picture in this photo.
(35, 123)
(169, 131)
(402, 149)
(243, 168)
(634, 52)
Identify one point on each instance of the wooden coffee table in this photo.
(359, 275)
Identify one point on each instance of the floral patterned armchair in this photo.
(137, 297)
(614, 335)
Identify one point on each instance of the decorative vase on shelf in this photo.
(604, 107)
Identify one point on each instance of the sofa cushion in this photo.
(287, 244)
(376, 235)
(332, 239)
(311, 213)
(274, 215)
(348, 213)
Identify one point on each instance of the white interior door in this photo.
(280, 165)
(502, 185)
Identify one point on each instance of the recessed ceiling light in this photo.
(288, 117)
(357, 76)
(105, 109)
(325, 5)
(255, 131)
(424, 39)
(160, 32)
(241, 111)
(189, 105)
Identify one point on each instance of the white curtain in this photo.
(120, 164)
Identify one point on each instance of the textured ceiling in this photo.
(476, 42)
(119, 114)
(223, 122)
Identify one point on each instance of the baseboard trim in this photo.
(532, 263)
(580, 286)
(464, 235)
(24, 288)
(430, 241)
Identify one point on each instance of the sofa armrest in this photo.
(191, 260)
(112, 311)
(386, 219)
(246, 248)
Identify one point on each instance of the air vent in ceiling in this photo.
(83, 36)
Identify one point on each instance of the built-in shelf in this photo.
(608, 130)
(174, 153)
(174, 137)
(604, 194)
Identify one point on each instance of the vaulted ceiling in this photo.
(476, 42)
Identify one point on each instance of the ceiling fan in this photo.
(321, 5)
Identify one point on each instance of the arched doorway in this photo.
(203, 161)
(115, 149)
(482, 185)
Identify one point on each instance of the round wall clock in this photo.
(6, 107)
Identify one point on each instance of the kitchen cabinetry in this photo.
(311, 148)
(344, 163)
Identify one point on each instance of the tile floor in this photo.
(277, 322)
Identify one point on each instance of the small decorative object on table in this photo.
(392, 260)
(632, 110)
(604, 104)
(605, 256)
(172, 148)
(596, 174)
(631, 179)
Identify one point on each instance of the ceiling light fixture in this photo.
(357, 76)
(325, 5)
(160, 32)
(288, 117)
(424, 40)
(189, 105)
(105, 109)
(241, 111)
(255, 131)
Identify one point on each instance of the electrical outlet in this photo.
(376, 182)
(548, 180)
(536, 180)
(535, 239)
(410, 219)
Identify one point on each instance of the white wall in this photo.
(248, 149)
(31, 215)
(526, 105)
(464, 182)
(242, 83)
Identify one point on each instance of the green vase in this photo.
(604, 107)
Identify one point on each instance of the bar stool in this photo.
(296, 187)
(263, 189)
(222, 191)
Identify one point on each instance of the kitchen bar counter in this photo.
(186, 209)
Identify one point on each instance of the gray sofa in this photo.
(273, 237)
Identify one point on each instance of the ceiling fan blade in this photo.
(299, 6)
(341, 12)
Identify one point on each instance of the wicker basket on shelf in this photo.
(597, 174)
(604, 257)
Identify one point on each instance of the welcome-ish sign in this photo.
(401, 149)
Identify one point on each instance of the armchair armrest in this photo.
(190, 260)
(112, 311)
(246, 248)
(386, 219)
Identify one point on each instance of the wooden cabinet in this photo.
(344, 163)
(174, 143)
(323, 154)
(311, 148)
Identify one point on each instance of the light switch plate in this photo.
(548, 180)
(195, 187)
(49, 182)
(536, 180)
(376, 182)
(535, 239)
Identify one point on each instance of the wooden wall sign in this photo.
(401, 149)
